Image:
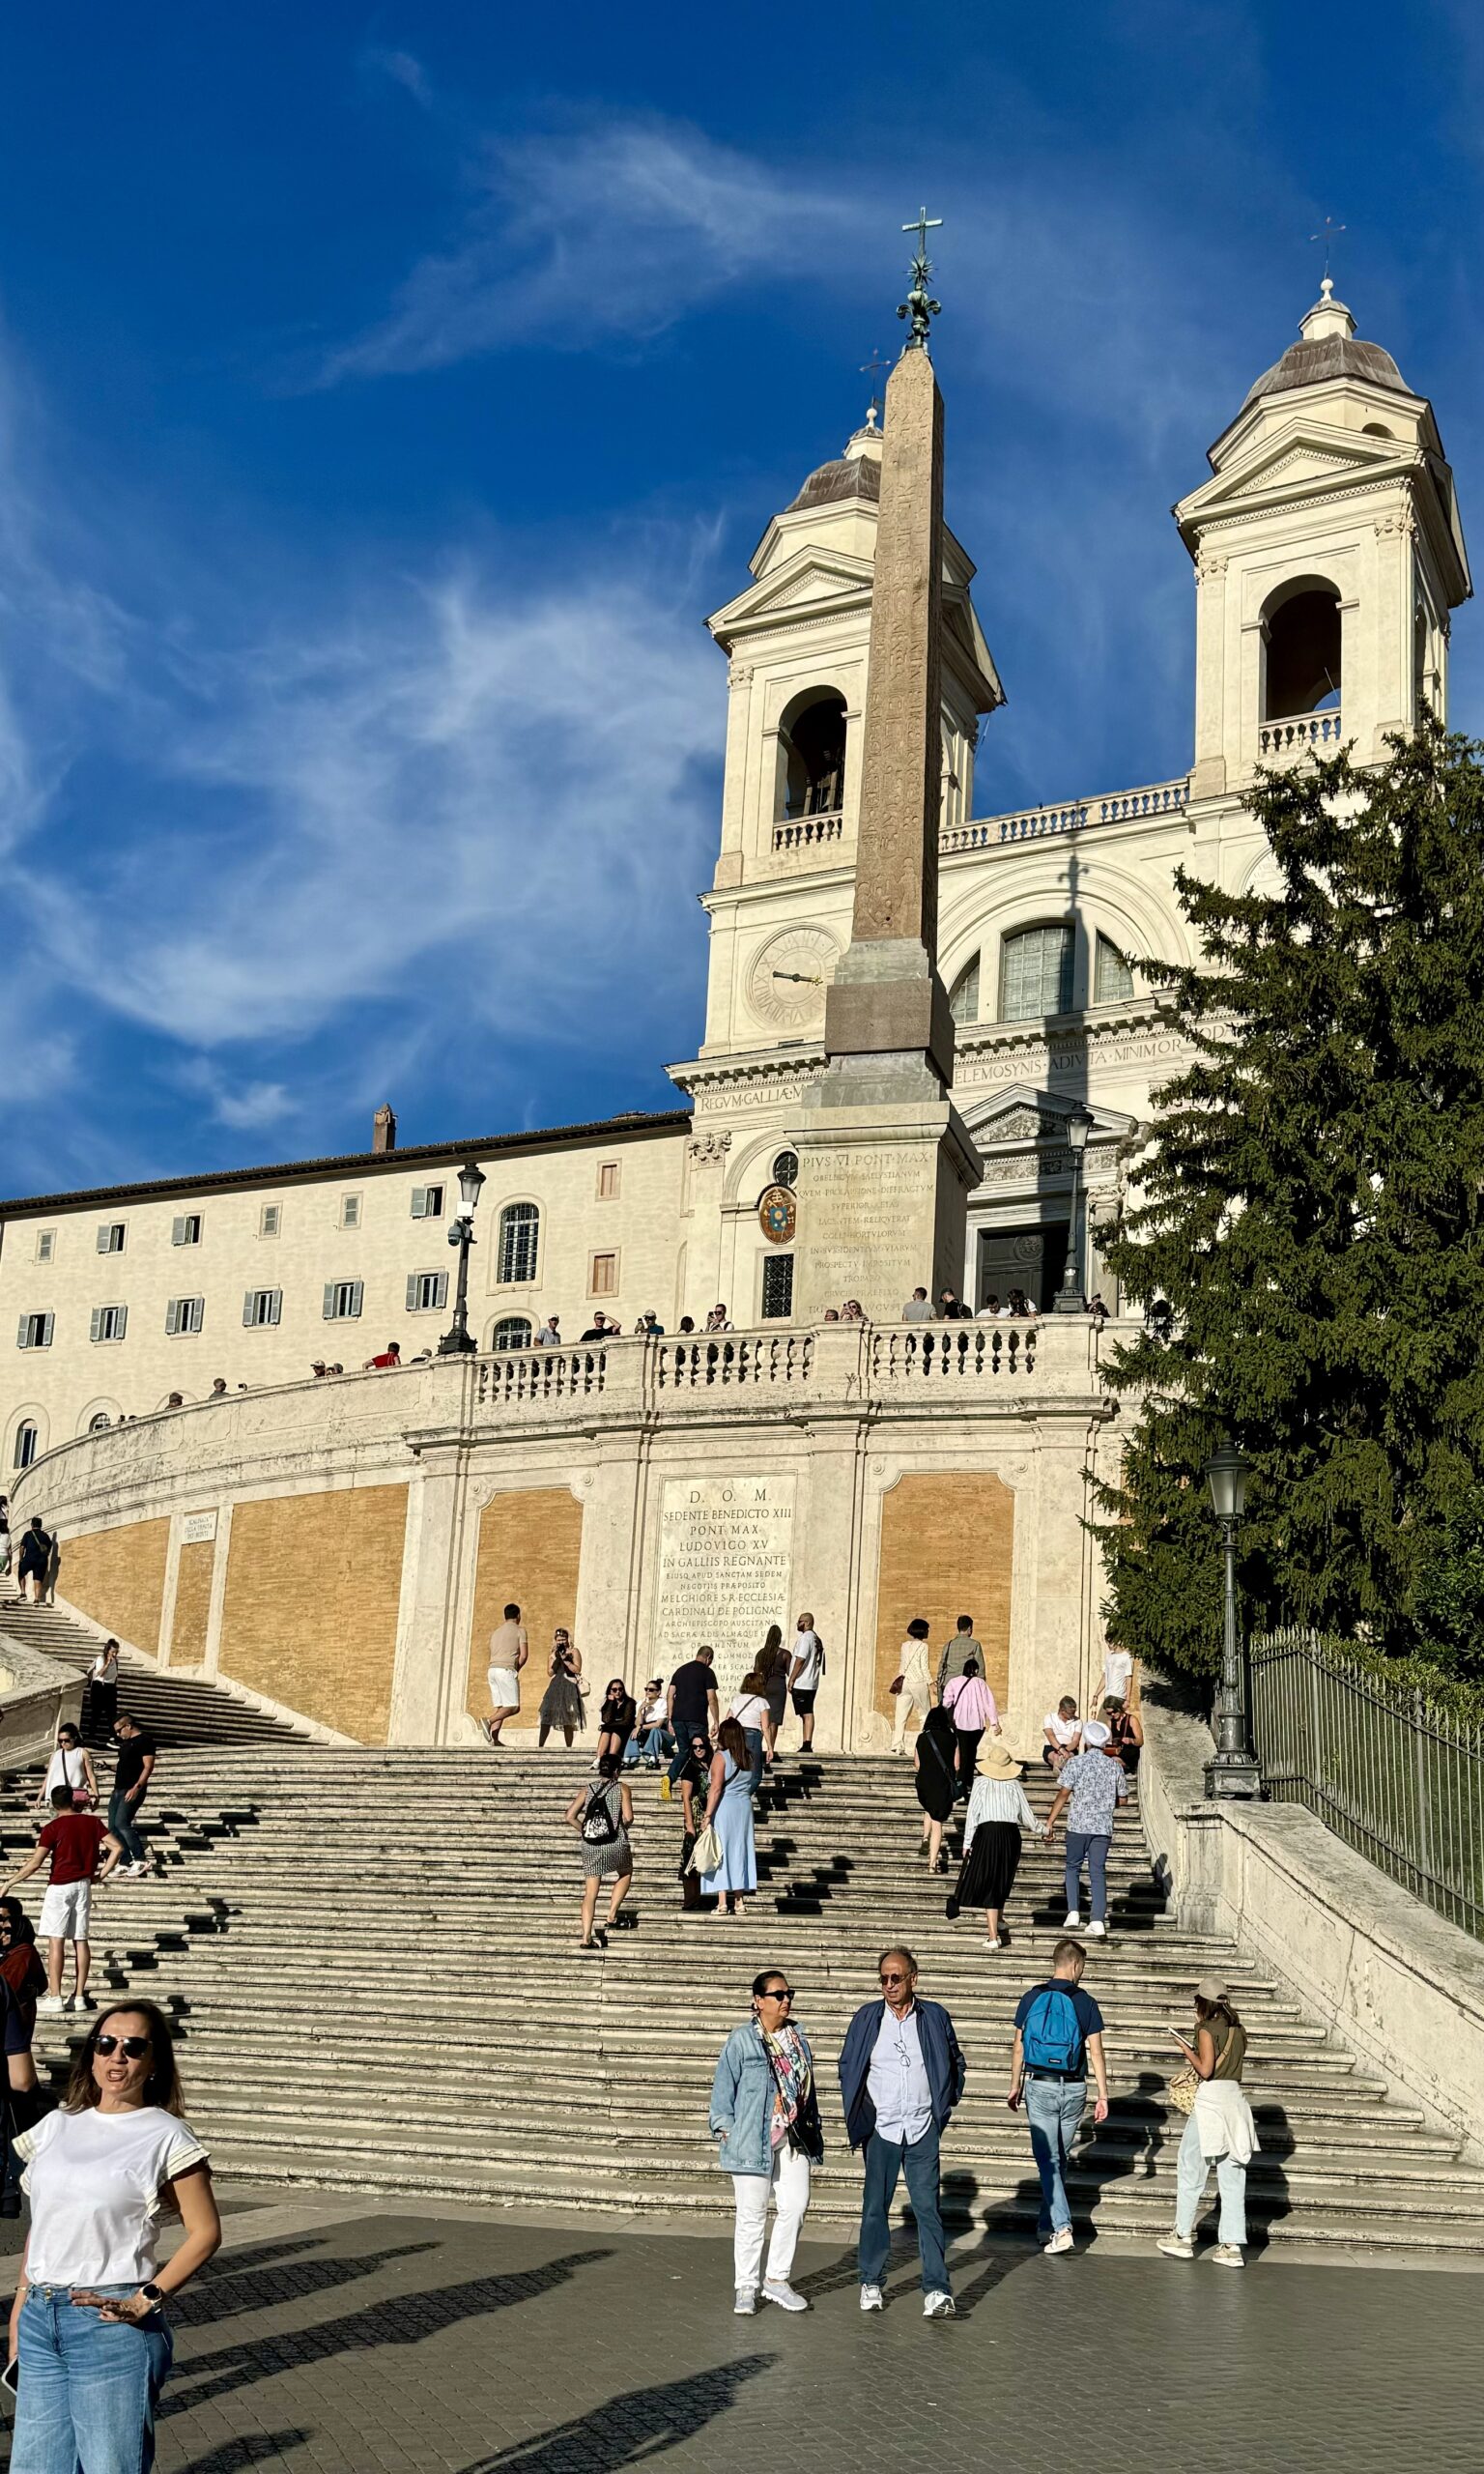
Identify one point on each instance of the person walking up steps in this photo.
(1058, 2033)
(935, 1760)
(603, 1815)
(912, 1684)
(72, 1841)
(132, 1772)
(901, 2075)
(972, 1706)
(1220, 2130)
(766, 2112)
(1094, 1784)
(509, 1651)
(997, 1814)
(35, 1559)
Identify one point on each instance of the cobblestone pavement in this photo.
(343, 2338)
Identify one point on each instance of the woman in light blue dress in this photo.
(729, 1809)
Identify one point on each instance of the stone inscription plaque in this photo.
(868, 1218)
(724, 1572)
(198, 1528)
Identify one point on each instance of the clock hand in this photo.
(801, 977)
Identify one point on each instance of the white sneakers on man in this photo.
(776, 2291)
(745, 2306)
(1059, 2245)
(1072, 1923)
(871, 2297)
(1097, 1931)
(938, 2305)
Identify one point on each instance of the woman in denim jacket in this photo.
(766, 2112)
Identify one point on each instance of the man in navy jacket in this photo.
(900, 2075)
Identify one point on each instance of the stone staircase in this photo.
(372, 1957)
(174, 1708)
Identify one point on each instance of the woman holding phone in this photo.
(90, 2345)
(1220, 2130)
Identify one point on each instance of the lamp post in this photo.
(1234, 1771)
(456, 1340)
(1070, 1299)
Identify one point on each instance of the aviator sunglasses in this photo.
(135, 2048)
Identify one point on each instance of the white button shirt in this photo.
(898, 2080)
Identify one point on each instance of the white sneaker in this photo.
(52, 2005)
(938, 2305)
(746, 2303)
(776, 2291)
(871, 2297)
(1071, 1924)
(1175, 2247)
(1226, 2255)
(82, 2001)
(992, 1945)
(1059, 2245)
(1097, 1931)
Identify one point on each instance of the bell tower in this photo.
(1328, 555)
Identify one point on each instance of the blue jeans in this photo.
(652, 1745)
(754, 1737)
(1191, 2170)
(1084, 1846)
(1053, 2109)
(88, 2388)
(884, 2161)
(120, 1820)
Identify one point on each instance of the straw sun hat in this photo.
(997, 1761)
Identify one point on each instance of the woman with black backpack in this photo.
(603, 1815)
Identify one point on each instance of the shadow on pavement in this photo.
(259, 2448)
(630, 2428)
(256, 2280)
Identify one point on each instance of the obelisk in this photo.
(885, 1163)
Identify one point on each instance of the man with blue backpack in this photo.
(1058, 2033)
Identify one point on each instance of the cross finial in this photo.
(873, 369)
(917, 305)
(1329, 234)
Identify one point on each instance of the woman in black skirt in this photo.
(935, 1759)
(997, 1814)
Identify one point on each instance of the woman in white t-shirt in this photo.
(87, 2322)
(69, 1766)
(1062, 1729)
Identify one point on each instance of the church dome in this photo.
(1328, 348)
(846, 476)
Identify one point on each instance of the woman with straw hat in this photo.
(998, 1813)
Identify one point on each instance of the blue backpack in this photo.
(1051, 2038)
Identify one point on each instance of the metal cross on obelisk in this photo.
(917, 305)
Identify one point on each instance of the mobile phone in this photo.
(9, 2377)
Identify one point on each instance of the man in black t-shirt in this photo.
(130, 1778)
(691, 1707)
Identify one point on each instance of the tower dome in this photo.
(1327, 348)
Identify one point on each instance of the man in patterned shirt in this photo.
(1094, 1784)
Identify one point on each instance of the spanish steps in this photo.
(418, 1908)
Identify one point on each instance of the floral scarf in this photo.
(792, 2077)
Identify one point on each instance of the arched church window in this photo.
(813, 746)
(100, 1422)
(785, 1169)
(511, 1332)
(1112, 978)
(1377, 429)
(26, 1442)
(520, 1233)
(1036, 974)
(1301, 650)
(963, 995)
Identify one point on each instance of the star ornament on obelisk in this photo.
(886, 1163)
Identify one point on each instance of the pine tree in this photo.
(1309, 1205)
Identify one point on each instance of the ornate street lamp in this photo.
(1070, 1299)
(456, 1340)
(1234, 1771)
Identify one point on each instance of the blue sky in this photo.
(386, 395)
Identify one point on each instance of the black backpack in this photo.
(599, 1825)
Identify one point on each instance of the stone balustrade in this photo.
(1300, 734)
(808, 832)
(1073, 815)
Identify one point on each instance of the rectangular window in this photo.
(186, 1230)
(342, 1299)
(427, 1202)
(109, 1322)
(608, 1181)
(45, 1245)
(603, 1276)
(35, 1332)
(1113, 980)
(110, 1237)
(184, 1315)
(350, 1210)
(777, 1287)
(262, 1307)
(270, 1220)
(426, 1293)
(1037, 975)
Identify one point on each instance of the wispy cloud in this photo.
(403, 70)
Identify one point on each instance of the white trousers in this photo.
(906, 1702)
(788, 2182)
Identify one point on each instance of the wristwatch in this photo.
(153, 2295)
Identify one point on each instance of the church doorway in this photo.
(1033, 1260)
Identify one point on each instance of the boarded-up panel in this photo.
(531, 1546)
(118, 1577)
(192, 1602)
(310, 1616)
(944, 1552)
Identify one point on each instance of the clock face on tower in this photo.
(787, 983)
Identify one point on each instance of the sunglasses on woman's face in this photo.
(133, 2048)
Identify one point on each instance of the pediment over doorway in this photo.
(1026, 1120)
